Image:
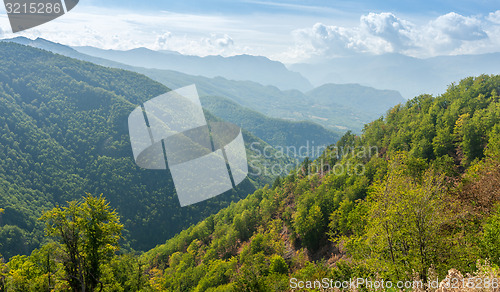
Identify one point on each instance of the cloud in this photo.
(378, 33)
(396, 32)
(327, 40)
(214, 44)
(494, 17)
(162, 40)
(125, 30)
(288, 39)
(452, 34)
(459, 27)
(221, 42)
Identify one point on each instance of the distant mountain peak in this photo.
(240, 67)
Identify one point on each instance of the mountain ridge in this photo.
(241, 67)
(409, 75)
(289, 104)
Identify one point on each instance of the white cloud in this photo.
(330, 40)
(459, 27)
(269, 35)
(452, 34)
(216, 41)
(214, 44)
(225, 41)
(378, 33)
(162, 40)
(124, 30)
(494, 17)
(396, 32)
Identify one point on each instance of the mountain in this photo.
(408, 75)
(281, 133)
(337, 110)
(242, 67)
(412, 200)
(296, 139)
(63, 132)
(293, 105)
(356, 97)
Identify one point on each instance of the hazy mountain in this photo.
(410, 76)
(242, 67)
(355, 96)
(282, 134)
(336, 107)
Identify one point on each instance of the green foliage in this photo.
(278, 265)
(457, 123)
(88, 232)
(310, 226)
(409, 194)
(406, 214)
(491, 238)
(63, 132)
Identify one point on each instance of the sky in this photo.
(290, 31)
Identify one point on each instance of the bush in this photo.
(278, 265)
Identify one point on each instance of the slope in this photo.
(63, 132)
(413, 197)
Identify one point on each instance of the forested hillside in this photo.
(414, 196)
(63, 132)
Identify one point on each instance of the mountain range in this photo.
(411, 199)
(408, 75)
(241, 67)
(340, 108)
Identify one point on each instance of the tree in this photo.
(490, 241)
(88, 231)
(309, 224)
(3, 273)
(405, 216)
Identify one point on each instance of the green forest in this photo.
(63, 132)
(415, 197)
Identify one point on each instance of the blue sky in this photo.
(245, 7)
(290, 31)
